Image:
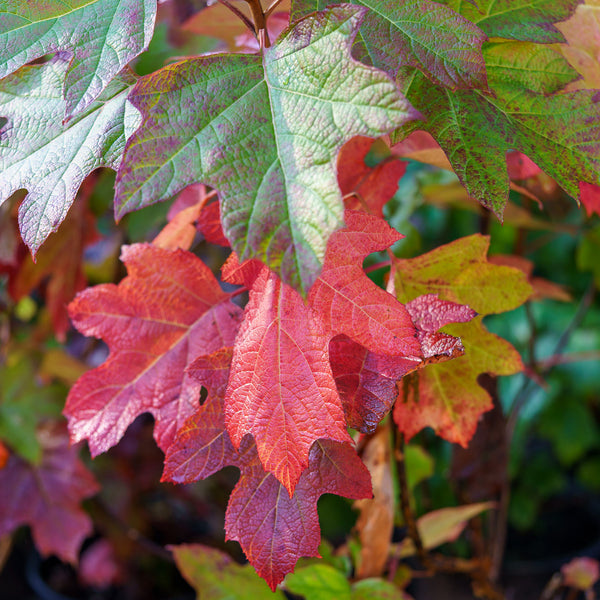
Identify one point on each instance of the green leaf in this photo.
(215, 576)
(422, 34)
(323, 582)
(51, 159)
(101, 35)
(319, 582)
(265, 130)
(526, 20)
(587, 253)
(460, 272)
(23, 404)
(538, 68)
(476, 130)
(444, 525)
(419, 465)
(569, 424)
(446, 396)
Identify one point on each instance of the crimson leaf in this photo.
(47, 497)
(281, 388)
(164, 314)
(273, 527)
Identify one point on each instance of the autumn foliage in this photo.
(299, 358)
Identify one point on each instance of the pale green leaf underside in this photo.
(49, 159)
(265, 131)
(102, 36)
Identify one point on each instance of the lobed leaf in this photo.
(447, 397)
(525, 20)
(51, 159)
(281, 388)
(165, 313)
(367, 380)
(121, 30)
(47, 497)
(426, 35)
(264, 130)
(275, 529)
(323, 582)
(215, 575)
(476, 131)
(460, 272)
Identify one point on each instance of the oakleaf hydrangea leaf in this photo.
(165, 313)
(264, 130)
(422, 34)
(273, 527)
(536, 67)
(48, 496)
(214, 574)
(526, 20)
(476, 130)
(281, 388)
(51, 159)
(446, 396)
(366, 381)
(101, 35)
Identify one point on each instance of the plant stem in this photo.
(407, 512)
(378, 265)
(260, 23)
(511, 422)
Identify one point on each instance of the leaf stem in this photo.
(236, 11)
(378, 265)
(272, 7)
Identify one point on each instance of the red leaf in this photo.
(203, 446)
(4, 455)
(367, 381)
(370, 187)
(281, 389)
(349, 302)
(590, 197)
(98, 566)
(520, 166)
(274, 529)
(47, 496)
(166, 312)
(209, 225)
